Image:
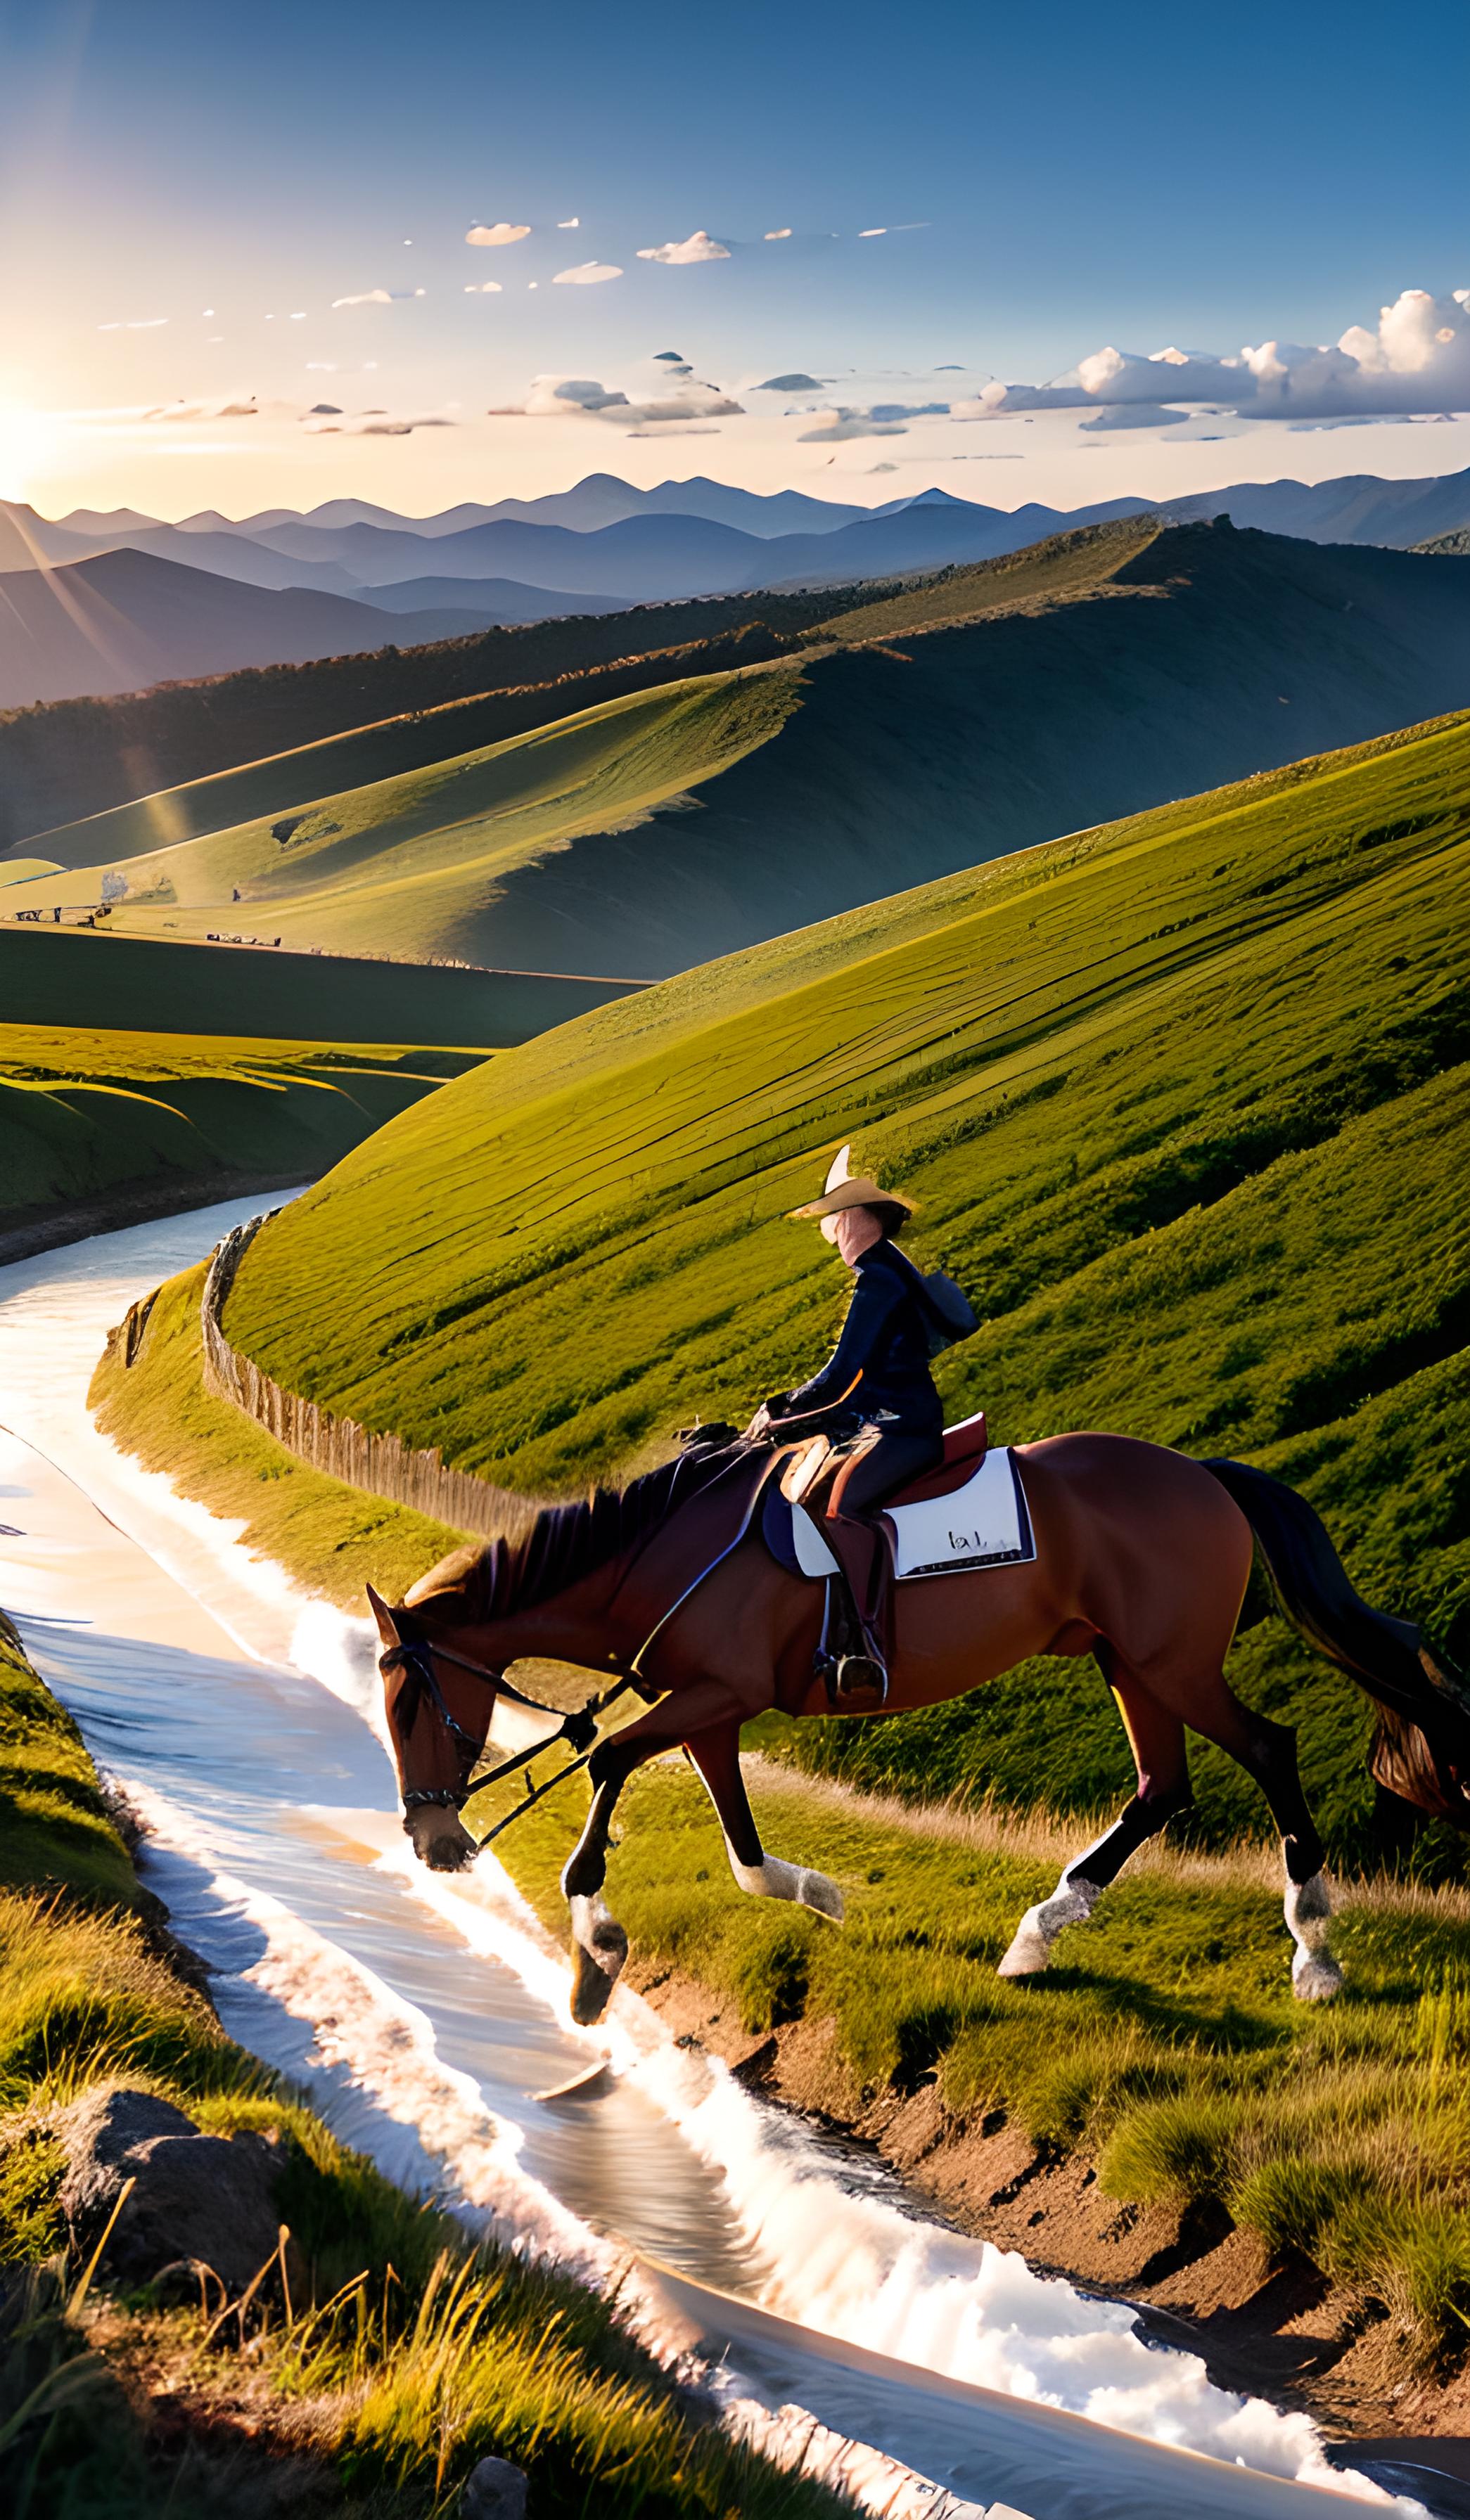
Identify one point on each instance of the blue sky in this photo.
(1051, 181)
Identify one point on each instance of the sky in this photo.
(285, 253)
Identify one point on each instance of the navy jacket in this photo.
(883, 1348)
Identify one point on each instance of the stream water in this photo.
(424, 2014)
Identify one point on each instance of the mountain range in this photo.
(87, 611)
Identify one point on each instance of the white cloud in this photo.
(569, 223)
(139, 324)
(1133, 415)
(553, 397)
(867, 232)
(373, 423)
(589, 275)
(211, 410)
(484, 289)
(698, 247)
(833, 425)
(1417, 359)
(773, 235)
(366, 298)
(502, 233)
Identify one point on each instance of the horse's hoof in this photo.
(1029, 1952)
(1315, 1978)
(599, 1949)
(451, 1855)
(822, 1897)
(591, 1989)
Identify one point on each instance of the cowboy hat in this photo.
(846, 1189)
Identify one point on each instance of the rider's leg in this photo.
(861, 1545)
(717, 1755)
(1156, 1736)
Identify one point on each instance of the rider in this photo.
(877, 1379)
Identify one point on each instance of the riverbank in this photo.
(1281, 2186)
(378, 2355)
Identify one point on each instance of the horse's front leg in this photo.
(717, 1755)
(599, 1943)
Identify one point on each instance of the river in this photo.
(425, 2013)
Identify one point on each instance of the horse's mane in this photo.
(567, 1542)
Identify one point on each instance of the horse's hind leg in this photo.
(1268, 1752)
(717, 1755)
(1157, 1737)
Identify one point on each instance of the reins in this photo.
(577, 1725)
(578, 1728)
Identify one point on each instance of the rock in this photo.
(196, 2196)
(494, 2490)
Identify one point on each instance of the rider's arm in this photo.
(875, 1297)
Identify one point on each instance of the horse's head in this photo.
(439, 1713)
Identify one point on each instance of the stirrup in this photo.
(859, 1684)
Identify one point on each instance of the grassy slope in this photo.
(133, 984)
(1095, 673)
(1059, 570)
(391, 748)
(94, 1114)
(1176, 1097)
(1165, 2041)
(390, 2400)
(66, 759)
(397, 748)
(410, 865)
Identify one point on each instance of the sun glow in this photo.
(24, 442)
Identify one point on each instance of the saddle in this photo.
(856, 1644)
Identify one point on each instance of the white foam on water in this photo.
(856, 2268)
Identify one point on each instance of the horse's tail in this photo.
(1421, 1748)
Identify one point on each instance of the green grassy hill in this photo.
(65, 759)
(58, 975)
(943, 724)
(1183, 1100)
(412, 865)
(392, 747)
(105, 1127)
(389, 749)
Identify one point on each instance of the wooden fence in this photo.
(380, 1464)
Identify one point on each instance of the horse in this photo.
(1142, 1558)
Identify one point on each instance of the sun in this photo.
(26, 439)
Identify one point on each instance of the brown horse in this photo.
(1142, 1558)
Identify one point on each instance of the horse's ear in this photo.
(387, 1628)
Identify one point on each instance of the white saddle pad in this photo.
(983, 1523)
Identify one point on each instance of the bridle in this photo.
(578, 1728)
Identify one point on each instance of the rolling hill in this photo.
(930, 729)
(1178, 1098)
(99, 1128)
(128, 618)
(57, 976)
(74, 758)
